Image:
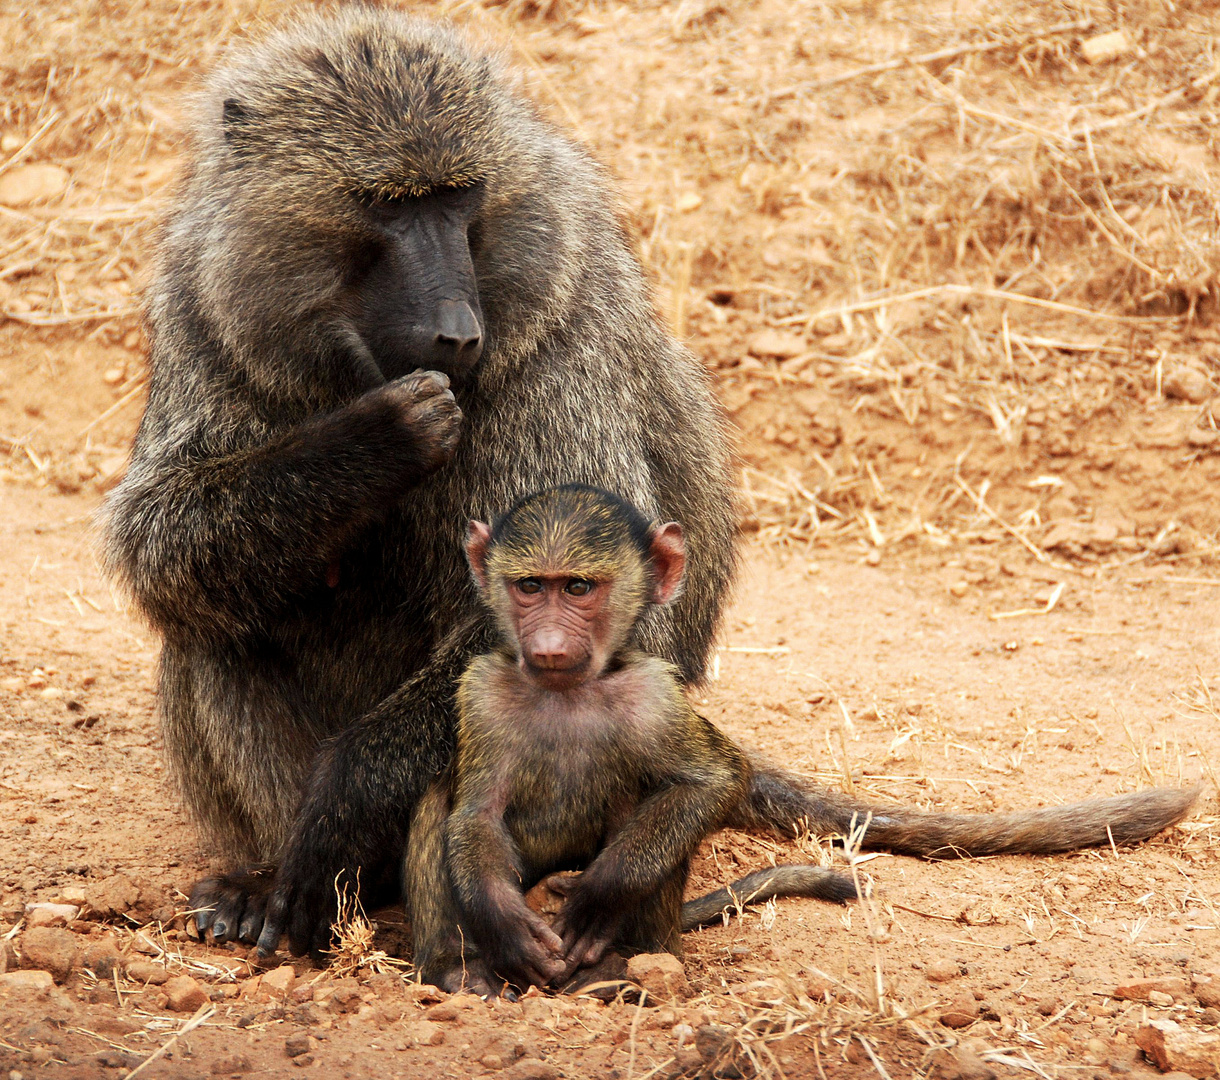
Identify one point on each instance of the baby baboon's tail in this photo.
(762, 885)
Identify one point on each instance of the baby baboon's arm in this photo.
(702, 777)
(442, 956)
(515, 943)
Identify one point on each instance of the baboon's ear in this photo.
(668, 554)
(235, 120)
(478, 539)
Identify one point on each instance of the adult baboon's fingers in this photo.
(204, 897)
(252, 921)
(418, 387)
(228, 915)
(427, 376)
(273, 924)
(308, 923)
(302, 932)
(323, 938)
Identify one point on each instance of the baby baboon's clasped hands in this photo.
(575, 751)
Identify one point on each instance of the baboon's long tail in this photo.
(786, 803)
(762, 885)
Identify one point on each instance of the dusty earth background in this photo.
(954, 269)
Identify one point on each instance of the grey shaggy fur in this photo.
(238, 493)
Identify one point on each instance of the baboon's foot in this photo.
(232, 906)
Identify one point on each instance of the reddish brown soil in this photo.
(864, 645)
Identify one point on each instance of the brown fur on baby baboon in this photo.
(574, 749)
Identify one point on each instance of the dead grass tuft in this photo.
(354, 949)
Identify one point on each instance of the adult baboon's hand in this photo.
(427, 410)
(302, 909)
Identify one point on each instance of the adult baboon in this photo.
(366, 197)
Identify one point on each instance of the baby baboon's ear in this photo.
(478, 539)
(668, 554)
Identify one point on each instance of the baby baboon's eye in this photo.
(530, 585)
(578, 587)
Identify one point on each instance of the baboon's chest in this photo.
(567, 806)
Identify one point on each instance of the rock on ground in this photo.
(184, 994)
(1175, 1048)
(531, 1069)
(661, 974)
(112, 896)
(49, 949)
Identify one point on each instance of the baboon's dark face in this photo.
(417, 300)
(358, 161)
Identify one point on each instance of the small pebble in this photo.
(142, 971)
(942, 970)
(961, 1013)
(184, 994)
(298, 1044)
(443, 1012)
(50, 914)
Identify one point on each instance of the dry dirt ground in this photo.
(953, 266)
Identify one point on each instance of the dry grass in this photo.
(354, 949)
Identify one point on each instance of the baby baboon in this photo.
(366, 197)
(574, 749)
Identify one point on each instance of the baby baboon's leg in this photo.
(654, 925)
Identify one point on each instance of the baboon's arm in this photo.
(430, 903)
(515, 943)
(358, 797)
(218, 542)
(707, 776)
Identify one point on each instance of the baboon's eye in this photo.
(530, 585)
(578, 587)
(474, 236)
